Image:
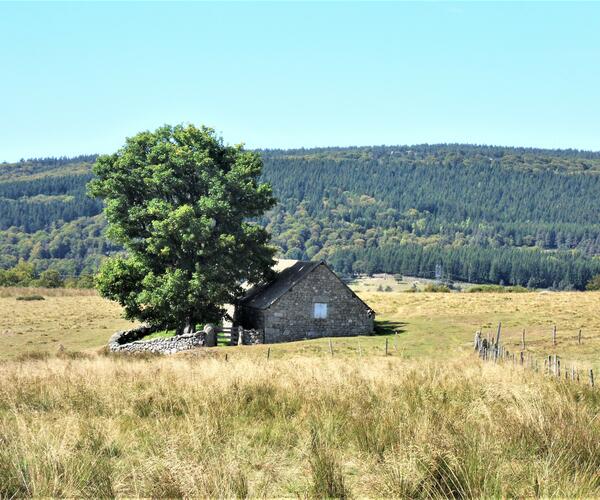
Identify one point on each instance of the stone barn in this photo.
(306, 300)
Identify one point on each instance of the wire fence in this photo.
(491, 349)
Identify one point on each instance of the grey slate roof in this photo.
(261, 297)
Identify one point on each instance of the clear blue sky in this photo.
(80, 77)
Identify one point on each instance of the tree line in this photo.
(486, 214)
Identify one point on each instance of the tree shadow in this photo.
(385, 327)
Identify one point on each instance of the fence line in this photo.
(492, 350)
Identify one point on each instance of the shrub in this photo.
(498, 289)
(437, 288)
(30, 297)
(594, 283)
(50, 278)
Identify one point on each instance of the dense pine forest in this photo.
(475, 213)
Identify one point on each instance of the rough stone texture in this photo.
(127, 341)
(126, 336)
(252, 337)
(291, 317)
(169, 345)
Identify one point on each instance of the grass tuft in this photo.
(98, 426)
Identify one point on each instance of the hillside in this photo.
(476, 213)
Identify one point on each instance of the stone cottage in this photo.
(306, 300)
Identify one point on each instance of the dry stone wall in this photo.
(128, 341)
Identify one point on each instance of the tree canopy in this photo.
(179, 201)
(485, 214)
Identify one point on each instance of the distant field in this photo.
(427, 324)
(79, 320)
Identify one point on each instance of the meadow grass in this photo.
(427, 325)
(429, 420)
(77, 319)
(162, 334)
(298, 426)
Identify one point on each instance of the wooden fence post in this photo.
(386, 346)
(558, 367)
(498, 333)
(330, 347)
(521, 358)
(396, 341)
(523, 340)
(554, 335)
(268, 353)
(579, 336)
(591, 377)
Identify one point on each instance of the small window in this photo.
(320, 310)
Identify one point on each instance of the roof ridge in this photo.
(270, 292)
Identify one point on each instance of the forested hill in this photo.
(484, 214)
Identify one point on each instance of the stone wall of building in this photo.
(292, 316)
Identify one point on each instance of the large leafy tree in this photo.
(179, 201)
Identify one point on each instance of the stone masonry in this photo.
(291, 316)
(128, 341)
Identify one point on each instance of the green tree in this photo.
(594, 283)
(179, 201)
(50, 278)
(22, 274)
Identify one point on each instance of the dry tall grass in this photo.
(302, 426)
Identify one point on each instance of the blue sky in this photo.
(80, 77)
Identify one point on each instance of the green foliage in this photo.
(178, 201)
(498, 289)
(50, 278)
(594, 283)
(437, 288)
(26, 274)
(516, 216)
(29, 297)
(23, 274)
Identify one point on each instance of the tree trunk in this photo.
(186, 327)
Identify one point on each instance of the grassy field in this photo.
(430, 325)
(77, 319)
(429, 420)
(302, 426)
